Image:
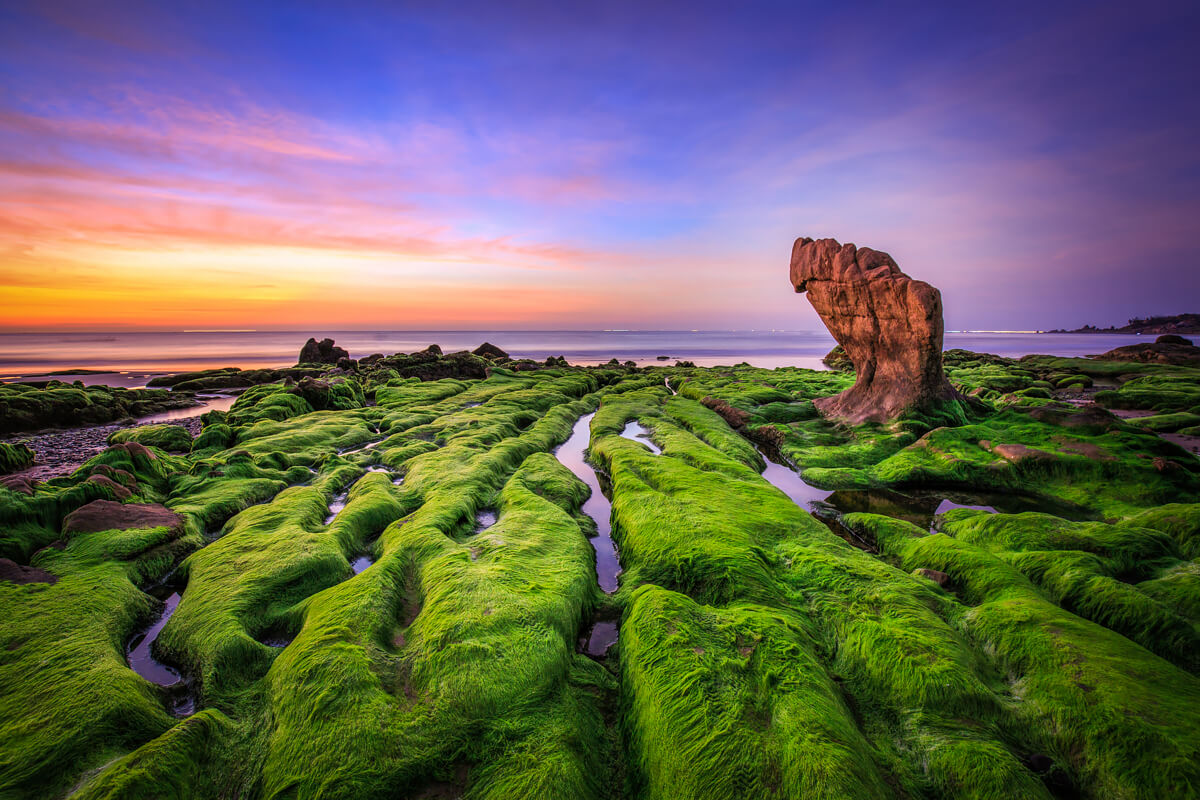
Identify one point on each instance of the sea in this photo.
(130, 359)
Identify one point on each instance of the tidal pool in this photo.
(571, 454)
(635, 431)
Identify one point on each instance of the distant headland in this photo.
(1179, 323)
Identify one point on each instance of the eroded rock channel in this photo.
(573, 455)
(1010, 588)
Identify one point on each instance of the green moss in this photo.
(1090, 569)
(1088, 469)
(732, 703)
(14, 457)
(760, 654)
(1167, 423)
(1087, 694)
(68, 702)
(216, 436)
(168, 437)
(56, 404)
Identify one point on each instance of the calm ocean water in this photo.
(134, 356)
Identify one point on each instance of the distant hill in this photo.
(1179, 323)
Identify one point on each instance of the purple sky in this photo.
(631, 165)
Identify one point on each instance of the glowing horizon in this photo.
(533, 170)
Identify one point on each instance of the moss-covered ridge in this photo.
(352, 623)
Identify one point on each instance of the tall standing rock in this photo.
(889, 324)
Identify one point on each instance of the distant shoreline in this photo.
(1151, 326)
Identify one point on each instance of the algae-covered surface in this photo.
(668, 582)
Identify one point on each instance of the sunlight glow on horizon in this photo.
(158, 173)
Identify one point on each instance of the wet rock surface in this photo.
(917, 609)
(889, 325)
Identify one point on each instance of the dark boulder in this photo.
(491, 352)
(1089, 416)
(1171, 338)
(322, 352)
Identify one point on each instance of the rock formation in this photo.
(322, 352)
(491, 352)
(889, 325)
(105, 515)
(1166, 349)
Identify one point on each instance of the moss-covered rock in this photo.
(56, 404)
(174, 438)
(385, 577)
(14, 457)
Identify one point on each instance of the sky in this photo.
(547, 165)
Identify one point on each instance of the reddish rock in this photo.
(105, 515)
(18, 483)
(118, 491)
(18, 573)
(123, 477)
(1017, 453)
(889, 325)
(136, 450)
(938, 577)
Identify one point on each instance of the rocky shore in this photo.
(1152, 326)
(60, 451)
(395, 570)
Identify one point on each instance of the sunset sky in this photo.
(609, 165)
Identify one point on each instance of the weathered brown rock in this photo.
(937, 576)
(105, 515)
(1017, 453)
(19, 483)
(889, 325)
(19, 573)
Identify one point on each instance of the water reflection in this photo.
(571, 455)
(216, 402)
(636, 432)
(602, 636)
